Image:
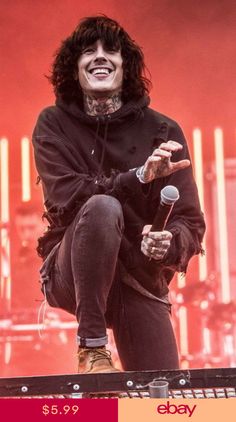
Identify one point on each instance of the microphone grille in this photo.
(169, 195)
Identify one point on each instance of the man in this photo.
(103, 157)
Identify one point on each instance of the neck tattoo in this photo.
(104, 105)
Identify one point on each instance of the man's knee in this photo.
(105, 207)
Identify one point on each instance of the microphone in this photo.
(169, 195)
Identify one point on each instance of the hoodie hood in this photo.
(130, 112)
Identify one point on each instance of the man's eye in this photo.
(112, 51)
(88, 50)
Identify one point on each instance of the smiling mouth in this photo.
(100, 71)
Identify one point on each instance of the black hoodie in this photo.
(78, 156)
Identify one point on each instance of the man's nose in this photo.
(100, 54)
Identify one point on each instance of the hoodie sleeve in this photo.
(66, 185)
(186, 222)
(63, 181)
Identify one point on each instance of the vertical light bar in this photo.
(7, 352)
(5, 245)
(222, 220)
(206, 341)
(198, 173)
(25, 169)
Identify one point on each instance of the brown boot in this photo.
(95, 360)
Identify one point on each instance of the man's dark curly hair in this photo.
(113, 36)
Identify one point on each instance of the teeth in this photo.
(100, 70)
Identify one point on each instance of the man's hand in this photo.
(155, 244)
(159, 163)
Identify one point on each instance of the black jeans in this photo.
(86, 281)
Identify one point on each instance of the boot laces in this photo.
(99, 354)
(96, 354)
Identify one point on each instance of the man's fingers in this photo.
(152, 251)
(164, 235)
(155, 244)
(172, 166)
(182, 164)
(163, 153)
(160, 235)
(146, 229)
(170, 146)
(173, 145)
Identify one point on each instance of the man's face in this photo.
(100, 71)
